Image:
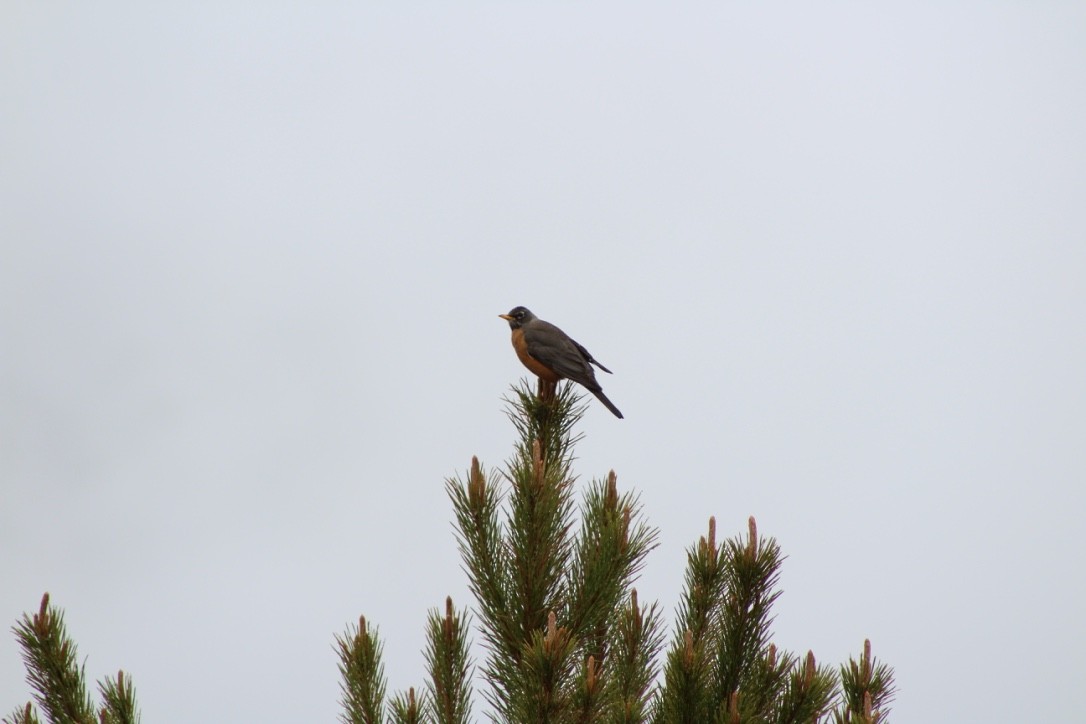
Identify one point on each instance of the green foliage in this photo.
(58, 682)
(565, 636)
(406, 709)
(638, 636)
(566, 639)
(118, 701)
(362, 675)
(551, 591)
(26, 715)
(52, 672)
(867, 689)
(449, 687)
(721, 666)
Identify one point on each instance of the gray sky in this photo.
(253, 256)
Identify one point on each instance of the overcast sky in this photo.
(253, 256)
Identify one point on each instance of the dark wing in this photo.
(556, 350)
(588, 356)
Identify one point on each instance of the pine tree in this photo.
(867, 690)
(565, 637)
(58, 683)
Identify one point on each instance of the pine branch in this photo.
(544, 689)
(683, 696)
(481, 540)
(362, 675)
(52, 673)
(638, 636)
(406, 709)
(26, 715)
(550, 419)
(609, 553)
(686, 696)
(447, 660)
(588, 702)
(765, 683)
(752, 569)
(540, 515)
(809, 693)
(538, 543)
(867, 689)
(724, 668)
(119, 701)
(517, 570)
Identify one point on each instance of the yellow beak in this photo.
(506, 317)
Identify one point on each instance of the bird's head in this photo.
(517, 317)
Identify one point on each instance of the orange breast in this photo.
(536, 367)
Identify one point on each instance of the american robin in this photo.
(551, 355)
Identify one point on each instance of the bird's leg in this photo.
(546, 390)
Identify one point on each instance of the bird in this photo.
(550, 354)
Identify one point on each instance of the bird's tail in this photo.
(610, 405)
